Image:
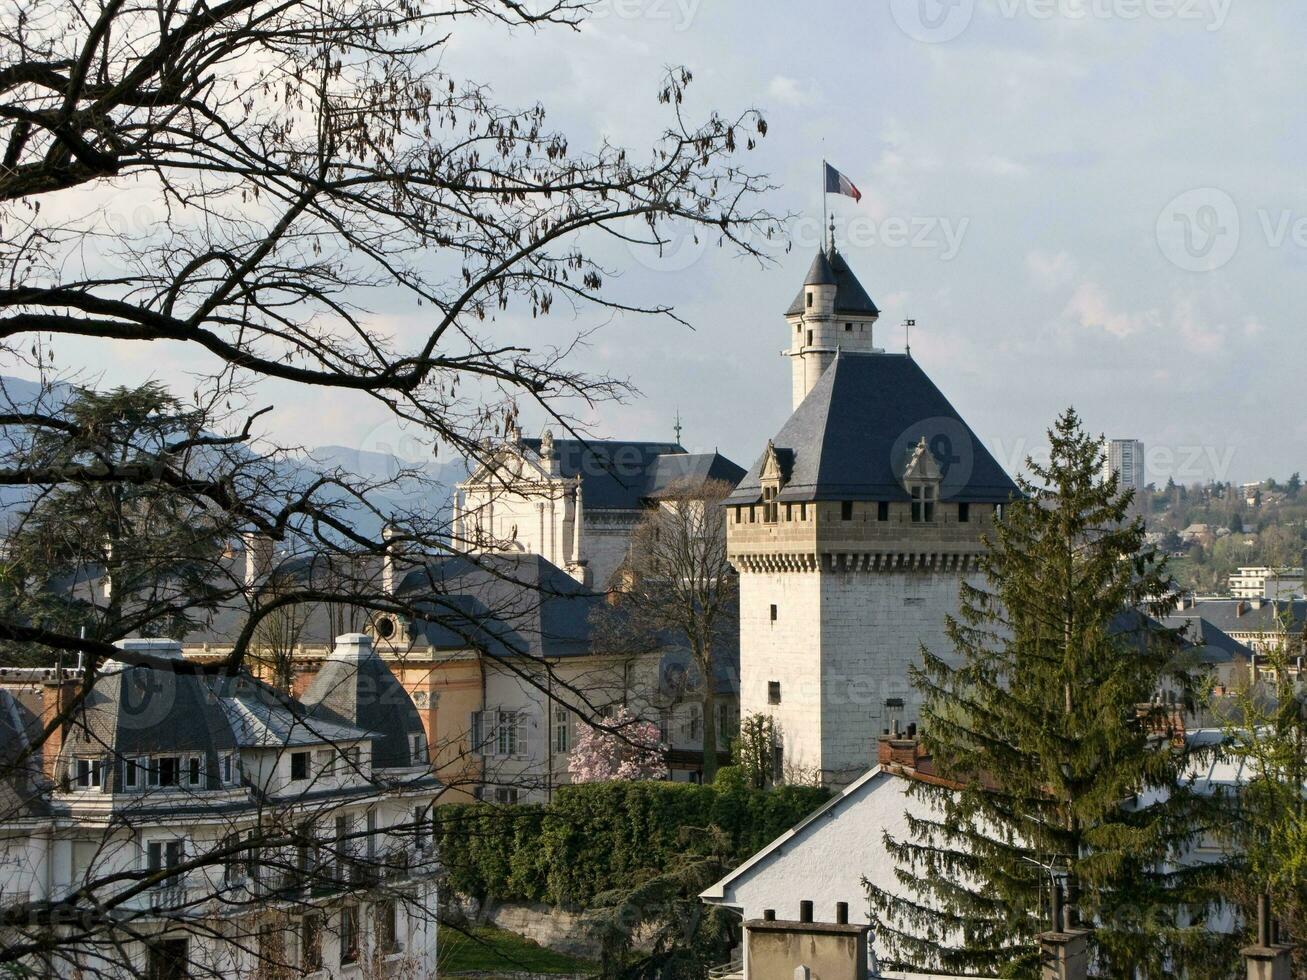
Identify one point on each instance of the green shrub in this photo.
(599, 836)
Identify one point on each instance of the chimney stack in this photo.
(896, 750)
(259, 551)
(1063, 951)
(390, 559)
(1269, 959)
(57, 694)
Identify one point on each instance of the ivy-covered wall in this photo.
(600, 836)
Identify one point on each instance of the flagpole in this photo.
(821, 232)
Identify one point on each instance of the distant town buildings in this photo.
(1263, 582)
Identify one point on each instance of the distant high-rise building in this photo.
(1125, 459)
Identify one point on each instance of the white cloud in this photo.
(1091, 307)
(790, 91)
(1050, 271)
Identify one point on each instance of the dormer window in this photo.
(923, 503)
(88, 773)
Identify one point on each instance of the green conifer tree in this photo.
(1062, 760)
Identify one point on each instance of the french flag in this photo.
(837, 183)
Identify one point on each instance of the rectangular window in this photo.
(505, 794)
(752, 516)
(848, 328)
(562, 729)
(353, 759)
(810, 336)
(131, 773)
(506, 733)
(810, 298)
(299, 765)
(725, 725)
(89, 773)
(311, 943)
(778, 763)
(194, 770)
(882, 510)
(165, 771)
(387, 912)
(789, 512)
(169, 959)
(419, 753)
(694, 725)
(923, 505)
(372, 833)
(344, 845)
(773, 612)
(349, 934)
(227, 769)
(419, 827)
(665, 725)
(964, 513)
(803, 512)
(231, 858)
(738, 512)
(846, 510)
(773, 692)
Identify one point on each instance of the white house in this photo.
(227, 830)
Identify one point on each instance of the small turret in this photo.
(832, 313)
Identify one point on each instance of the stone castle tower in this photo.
(852, 534)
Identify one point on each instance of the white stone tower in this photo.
(851, 534)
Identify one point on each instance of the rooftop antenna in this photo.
(907, 336)
(677, 427)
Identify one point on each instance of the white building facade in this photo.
(227, 830)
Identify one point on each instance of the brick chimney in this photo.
(57, 693)
(902, 751)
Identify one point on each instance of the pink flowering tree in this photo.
(630, 751)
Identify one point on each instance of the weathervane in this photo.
(677, 427)
(907, 336)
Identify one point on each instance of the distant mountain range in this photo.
(430, 493)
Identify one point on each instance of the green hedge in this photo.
(600, 836)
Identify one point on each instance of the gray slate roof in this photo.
(853, 434)
(355, 687)
(1215, 645)
(503, 604)
(620, 475)
(850, 297)
(693, 468)
(1224, 615)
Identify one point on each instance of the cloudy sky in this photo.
(1098, 203)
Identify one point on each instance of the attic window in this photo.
(89, 773)
(923, 504)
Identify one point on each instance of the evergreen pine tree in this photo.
(1062, 761)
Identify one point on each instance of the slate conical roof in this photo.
(357, 687)
(853, 435)
(829, 268)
